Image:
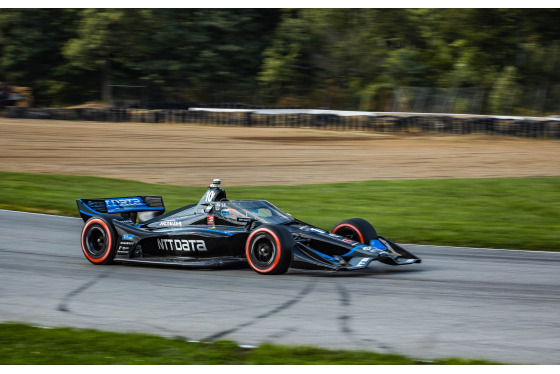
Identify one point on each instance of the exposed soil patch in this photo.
(193, 155)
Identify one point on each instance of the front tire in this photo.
(269, 249)
(99, 240)
(356, 229)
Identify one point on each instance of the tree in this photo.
(505, 91)
(109, 40)
(341, 58)
(174, 51)
(321, 51)
(30, 50)
(286, 64)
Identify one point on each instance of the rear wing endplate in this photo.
(128, 207)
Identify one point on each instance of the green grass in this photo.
(516, 213)
(23, 344)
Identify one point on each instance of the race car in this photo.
(217, 232)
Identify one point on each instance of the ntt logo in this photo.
(181, 245)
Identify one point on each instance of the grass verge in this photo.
(516, 213)
(24, 344)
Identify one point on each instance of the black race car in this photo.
(217, 232)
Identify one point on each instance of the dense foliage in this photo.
(462, 60)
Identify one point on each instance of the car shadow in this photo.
(367, 272)
(374, 271)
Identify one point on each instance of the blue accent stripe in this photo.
(194, 228)
(353, 250)
(90, 208)
(211, 230)
(132, 209)
(323, 255)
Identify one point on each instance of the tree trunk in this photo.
(106, 89)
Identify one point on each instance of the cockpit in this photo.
(247, 210)
(222, 211)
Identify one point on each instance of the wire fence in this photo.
(531, 100)
(379, 122)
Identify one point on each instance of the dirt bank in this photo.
(193, 155)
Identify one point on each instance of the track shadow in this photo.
(367, 272)
(229, 267)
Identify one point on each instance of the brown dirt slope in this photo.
(193, 155)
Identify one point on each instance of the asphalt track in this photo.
(475, 303)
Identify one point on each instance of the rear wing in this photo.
(141, 207)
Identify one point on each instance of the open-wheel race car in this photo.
(216, 232)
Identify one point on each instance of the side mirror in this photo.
(209, 208)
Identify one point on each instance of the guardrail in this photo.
(382, 122)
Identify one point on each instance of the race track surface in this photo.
(474, 303)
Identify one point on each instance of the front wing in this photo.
(382, 250)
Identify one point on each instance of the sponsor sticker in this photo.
(123, 203)
(370, 250)
(170, 223)
(313, 229)
(181, 245)
(317, 230)
(362, 262)
(128, 237)
(210, 220)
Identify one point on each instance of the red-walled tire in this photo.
(99, 240)
(356, 229)
(269, 249)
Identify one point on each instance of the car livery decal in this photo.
(353, 250)
(181, 244)
(188, 229)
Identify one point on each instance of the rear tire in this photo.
(99, 240)
(356, 229)
(269, 249)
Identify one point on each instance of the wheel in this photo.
(99, 240)
(269, 249)
(356, 229)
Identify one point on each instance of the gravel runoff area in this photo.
(193, 155)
